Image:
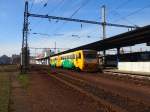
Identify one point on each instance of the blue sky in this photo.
(129, 12)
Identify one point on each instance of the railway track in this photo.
(105, 106)
(110, 99)
(125, 77)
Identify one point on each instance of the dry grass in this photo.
(4, 91)
(8, 68)
(24, 80)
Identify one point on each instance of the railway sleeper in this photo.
(124, 102)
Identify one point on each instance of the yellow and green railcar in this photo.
(84, 60)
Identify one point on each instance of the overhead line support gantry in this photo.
(25, 49)
(79, 20)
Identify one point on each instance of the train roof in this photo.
(65, 53)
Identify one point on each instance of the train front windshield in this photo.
(90, 56)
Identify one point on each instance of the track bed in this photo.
(55, 90)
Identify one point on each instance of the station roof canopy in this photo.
(138, 36)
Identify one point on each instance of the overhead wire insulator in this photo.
(45, 5)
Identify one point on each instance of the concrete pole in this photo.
(104, 21)
(55, 47)
(103, 12)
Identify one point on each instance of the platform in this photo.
(127, 72)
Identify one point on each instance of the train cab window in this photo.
(90, 56)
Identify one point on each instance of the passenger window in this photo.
(73, 56)
(79, 56)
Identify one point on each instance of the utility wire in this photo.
(49, 12)
(75, 12)
(114, 12)
(63, 7)
(32, 5)
(125, 19)
(44, 5)
(134, 12)
(56, 7)
(123, 4)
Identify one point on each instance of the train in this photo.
(83, 60)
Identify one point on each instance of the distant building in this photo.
(5, 60)
(16, 59)
(32, 60)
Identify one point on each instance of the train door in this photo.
(58, 61)
(79, 60)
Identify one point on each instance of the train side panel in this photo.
(58, 61)
(79, 60)
(83, 60)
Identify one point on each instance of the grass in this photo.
(24, 80)
(8, 68)
(4, 92)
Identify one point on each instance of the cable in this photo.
(123, 4)
(62, 1)
(125, 19)
(32, 5)
(134, 12)
(120, 6)
(82, 5)
(63, 7)
(48, 12)
(75, 12)
(44, 5)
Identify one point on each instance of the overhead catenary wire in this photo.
(56, 7)
(133, 13)
(32, 5)
(125, 19)
(44, 4)
(115, 12)
(42, 1)
(122, 4)
(74, 13)
(60, 2)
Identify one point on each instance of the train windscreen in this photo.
(90, 55)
